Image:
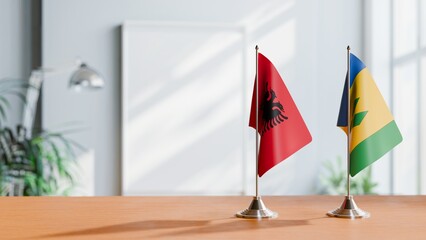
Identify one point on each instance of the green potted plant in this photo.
(36, 164)
(333, 180)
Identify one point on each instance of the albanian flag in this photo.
(281, 127)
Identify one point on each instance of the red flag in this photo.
(281, 127)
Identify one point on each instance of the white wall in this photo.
(15, 47)
(305, 39)
(392, 28)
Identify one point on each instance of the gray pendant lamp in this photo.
(86, 77)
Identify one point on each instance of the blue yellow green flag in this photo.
(373, 129)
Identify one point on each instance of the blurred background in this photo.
(172, 115)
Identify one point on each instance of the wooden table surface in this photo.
(300, 217)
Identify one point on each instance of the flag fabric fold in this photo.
(373, 129)
(280, 125)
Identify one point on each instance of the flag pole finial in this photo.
(348, 48)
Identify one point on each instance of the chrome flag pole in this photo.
(348, 209)
(257, 208)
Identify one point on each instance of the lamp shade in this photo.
(86, 77)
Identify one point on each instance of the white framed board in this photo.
(183, 109)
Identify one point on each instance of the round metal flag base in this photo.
(349, 209)
(257, 209)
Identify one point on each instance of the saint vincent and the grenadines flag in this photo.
(373, 129)
(282, 129)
